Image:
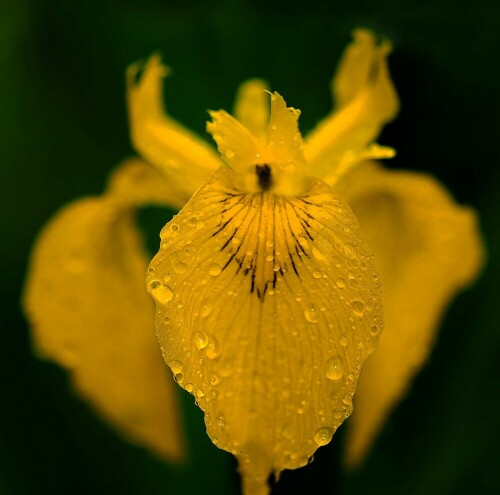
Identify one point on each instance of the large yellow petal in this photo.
(267, 307)
(426, 248)
(89, 312)
(365, 101)
(184, 159)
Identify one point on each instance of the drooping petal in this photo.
(252, 107)
(267, 307)
(183, 158)
(426, 249)
(89, 312)
(365, 101)
(138, 183)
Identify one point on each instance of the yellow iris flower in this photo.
(267, 283)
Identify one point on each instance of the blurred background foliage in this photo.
(63, 127)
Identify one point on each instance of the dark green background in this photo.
(63, 126)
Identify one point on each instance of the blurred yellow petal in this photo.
(138, 183)
(365, 101)
(183, 158)
(426, 249)
(252, 107)
(89, 312)
(266, 308)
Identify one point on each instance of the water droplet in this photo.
(174, 227)
(213, 349)
(334, 368)
(341, 283)
(235, 240)
(189, 387)
(200, 340)
(221, 423)
(311, 314)
(176, 367)
(269, 257)
(358, 307)
(317, 274)
(206, 308)
(214, 270)
(214, 380)
(343, 340)
(200, 393)
(318, 254)
(323, 435)
(178, 377)
(374, 329)
(229, 153)
(192, 221)
(162, 293)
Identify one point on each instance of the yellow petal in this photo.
(252, 107)
(426, 248)
(183, 158)
(284, 140)
(137, 183)
(89, 312)
(237, 146)
(366, 100)
(267, 307)
(280, 149)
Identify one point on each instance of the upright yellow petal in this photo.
(280, 149)
(283, 137)
(365, 101)
(426, 248)
(183, 158)
(266, 308)
(252, 107)
(89, 312)
(239, 148)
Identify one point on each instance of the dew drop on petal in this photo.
(334, 368)
(206, 308)
(341, 283)
(318, 254)
(200, 340)
(221, 423)
(323, 435)
(162, 293)
(358, 307)
(311, 314)
(175, 366)
(213, 348)
(214, 270)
